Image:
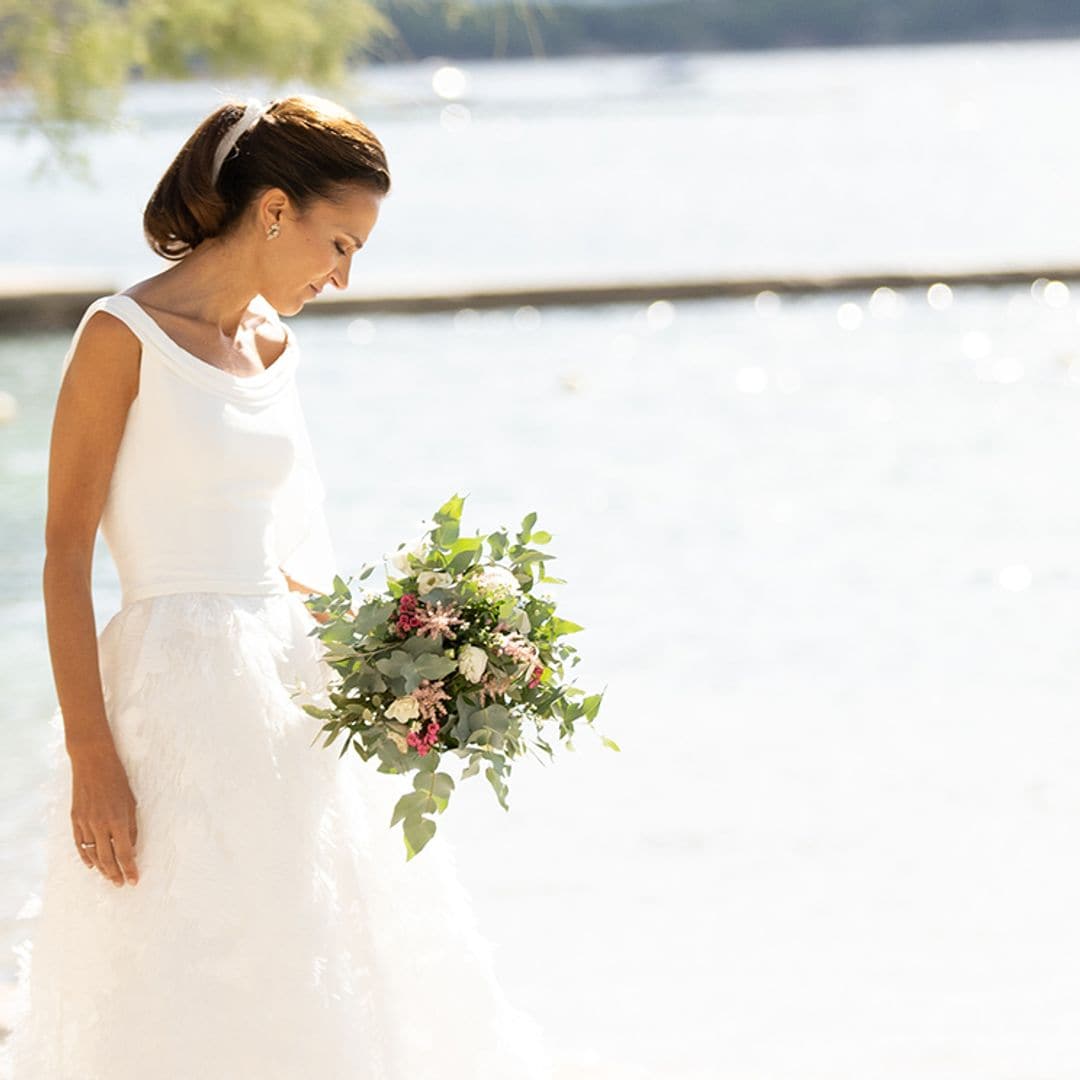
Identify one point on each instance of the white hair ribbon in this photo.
(252, 111)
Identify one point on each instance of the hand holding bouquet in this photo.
(457, 656)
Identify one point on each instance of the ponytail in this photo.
(308, 146)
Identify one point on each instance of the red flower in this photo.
(423, 743)
(407, 618)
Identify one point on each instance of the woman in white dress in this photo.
(224, 897)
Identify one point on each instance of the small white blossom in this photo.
(427, 580)
(471, 662)
(404, 708)
(496, 579)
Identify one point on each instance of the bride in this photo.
(224, 897)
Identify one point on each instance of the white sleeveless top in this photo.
(215, 486)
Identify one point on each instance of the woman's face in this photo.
(316, 249)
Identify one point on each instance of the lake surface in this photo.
(644, 167)
(825, 551)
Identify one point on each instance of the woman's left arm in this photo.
(295, 586)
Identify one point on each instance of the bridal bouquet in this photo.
(458, 655)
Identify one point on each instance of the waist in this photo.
(238, 586)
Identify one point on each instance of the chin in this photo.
(289, 308)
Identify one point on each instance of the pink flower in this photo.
(517, 646)
(430, 697)
(423, 743)
(438, 619)
(494, 685)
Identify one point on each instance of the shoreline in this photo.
(56, 303)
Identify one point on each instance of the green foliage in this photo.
(71, 59)
(379, 657)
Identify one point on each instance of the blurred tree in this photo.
(64, 64)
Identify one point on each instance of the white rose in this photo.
(471, 662)
(404, 708)
(417, 547)
(494, 579)
(432, 579)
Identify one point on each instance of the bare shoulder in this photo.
(105, 360)
(96, 393)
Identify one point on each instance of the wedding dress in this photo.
(277, 931)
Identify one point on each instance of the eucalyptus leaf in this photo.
(391, 756)
(409, 803)
(429, 762)
(417, 645)
(446, 534)
(461, 562)
(527, 523)
(400, 665)
(436, 788)
(450, 510)
(498, 786)
(494, 716)
(372, 614)
(417, 832)
(532, 556)
(465, 707)
(433, 667)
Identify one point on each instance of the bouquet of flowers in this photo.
(459, 655)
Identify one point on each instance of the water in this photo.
(825, 551)
(647, 167)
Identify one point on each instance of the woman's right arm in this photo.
(97, 390)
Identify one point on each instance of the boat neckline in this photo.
(266, 375)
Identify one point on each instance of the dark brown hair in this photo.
(308, 146)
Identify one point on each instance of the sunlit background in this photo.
(825, 546)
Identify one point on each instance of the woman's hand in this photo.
(308, 591)
(103, 812)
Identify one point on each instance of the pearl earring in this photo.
(273, 231)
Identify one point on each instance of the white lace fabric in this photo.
(276, 931)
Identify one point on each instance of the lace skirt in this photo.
(276, 930)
